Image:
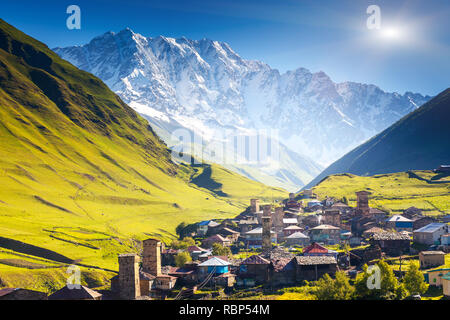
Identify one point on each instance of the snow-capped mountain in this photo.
(203, 85)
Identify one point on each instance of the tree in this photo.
(378, 283)
(337, 289)
(219, 250)
(183, 244)
(414, 280)
(182, 258)
(180, 229)
(345, 200)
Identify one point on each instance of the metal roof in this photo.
(432, 227)
(214, 262)
(298, 235)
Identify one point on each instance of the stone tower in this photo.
(362, 202)
(291, 196)
(254, 205)
(278, 219)
(266, 226)
(151, 256)
(129, 284)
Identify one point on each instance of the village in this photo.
(272, 246)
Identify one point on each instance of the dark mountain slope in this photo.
(419, 141)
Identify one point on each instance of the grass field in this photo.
(83, 177)
(393, 192)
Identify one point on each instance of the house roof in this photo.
(191, 249)
(203, 223)
(257, 231)
(216, 237)
(315, 260)
(255, 259)
(325, 227)
(297, 235)
(146, 276)
(339, 204)
(375, 210)
(6, 291)
(398, 218)
(74, 294)
(374, 230)
(228, 230)
(248, 221)
(390, 236)
(214, 262)
(282, 264)
(290, 220)
(277, 253)
(432, 253)
(315, 248)
(293, 228)
(432, 227)
(180, 271)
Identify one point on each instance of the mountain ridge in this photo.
(203, 85)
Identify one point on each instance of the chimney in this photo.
(151, 261)
(129, 284)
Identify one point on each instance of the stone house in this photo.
(282, 272)
(392, 243)
(431, 259)
(217, 238)
(291, 229)
(21, 294)
(297, 238)
(312, 268)
(332, 217)
(229, 233)
(311, 221)
(246, 225)
(362, 256)
(413, 213)
(254, 267)
(370, 232)
(325, 233)
(430, 234)
(253, 238)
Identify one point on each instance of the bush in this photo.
(182, 258)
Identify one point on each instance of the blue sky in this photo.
(410, 53)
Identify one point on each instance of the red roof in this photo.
(315, 248)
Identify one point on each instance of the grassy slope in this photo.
(395, 192)
(82, 174)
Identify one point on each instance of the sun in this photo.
(391, 33)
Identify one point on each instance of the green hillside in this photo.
(82, 175)
(394, 192)
(418, 141)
